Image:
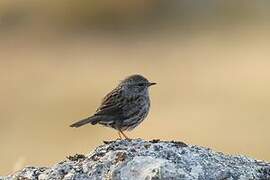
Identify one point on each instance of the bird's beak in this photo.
(152, 83)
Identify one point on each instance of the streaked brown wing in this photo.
(112, 104)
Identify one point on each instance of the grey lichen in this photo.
(139, 159)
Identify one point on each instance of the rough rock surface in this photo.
(140, 159)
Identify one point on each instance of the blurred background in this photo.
(59, 58)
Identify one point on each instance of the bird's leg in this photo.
(124, 135)
(119, 134)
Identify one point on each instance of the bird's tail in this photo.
(93, 120)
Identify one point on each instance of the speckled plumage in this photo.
(125, 107)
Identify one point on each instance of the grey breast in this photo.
(136, 112)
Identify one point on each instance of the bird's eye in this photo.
(141, 84)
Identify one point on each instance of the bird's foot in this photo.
(120, 133)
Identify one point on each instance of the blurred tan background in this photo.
(59, 58)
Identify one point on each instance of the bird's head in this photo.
(136, 85)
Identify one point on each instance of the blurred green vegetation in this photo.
(132, 14)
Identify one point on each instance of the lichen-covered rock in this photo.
(139, 159)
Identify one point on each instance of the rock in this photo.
(139, 159)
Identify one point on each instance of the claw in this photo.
(121, 132)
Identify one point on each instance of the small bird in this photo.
(124, 108)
